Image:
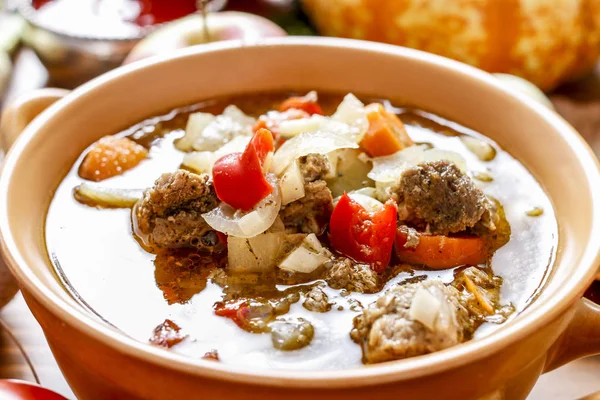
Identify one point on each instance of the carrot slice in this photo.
(386, 134)
(442, 252)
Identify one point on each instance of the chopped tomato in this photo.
(306, 103)
(363, 236)
(233, 310)
(386, 134)
(442, 252)
(239, 178)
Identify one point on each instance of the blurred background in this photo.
(553, 45)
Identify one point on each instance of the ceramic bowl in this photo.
(100, 363)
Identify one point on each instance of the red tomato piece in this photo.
(233, 310)
(306, 103)
(363, 236)
(238, 177)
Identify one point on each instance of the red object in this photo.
(167, 334)
(11, 389)
(306, 103)
(363, 236)
(442, 252)
(150, 11)
(235, 311)
(238, 178)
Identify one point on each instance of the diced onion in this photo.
(352, 112)
(96, 195)
(238, 223)
(205, 132)
(203, 161)
(350, 172)
(389, 168)
(259, 253)
(292, 184)
(309, 256)
(425, 308)
(196, 124)
(321, 142)
(293, 127)
(482, 149)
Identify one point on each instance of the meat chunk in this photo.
(354, 277)
(317, 300)
(311, 213)
(169, 213)
(386, 331)
(314, 167)
(437, 196)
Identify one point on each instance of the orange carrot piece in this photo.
(111, 156)
(442, 252)
(386, 134)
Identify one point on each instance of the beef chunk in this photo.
(169, 213)
(317, 300)
(314, 167)
(386, 332)
(437, 196)
(311, 213)
(354, 277)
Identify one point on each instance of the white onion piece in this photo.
(194, 128)
(107, 197)
(383, 191)
(205, 132)
(259, 253)
(389, 168)
(293, 127)
(203, 161)
(247, 224)
(321, 142)
(425, 308)
(292, 184)
(352, 112)
(307, 257)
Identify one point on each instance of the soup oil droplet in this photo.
(535, 212)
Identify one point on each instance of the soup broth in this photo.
(134, 287)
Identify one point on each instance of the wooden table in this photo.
(578, 103)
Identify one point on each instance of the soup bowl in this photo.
(99, 362)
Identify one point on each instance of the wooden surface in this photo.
(578, 103)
